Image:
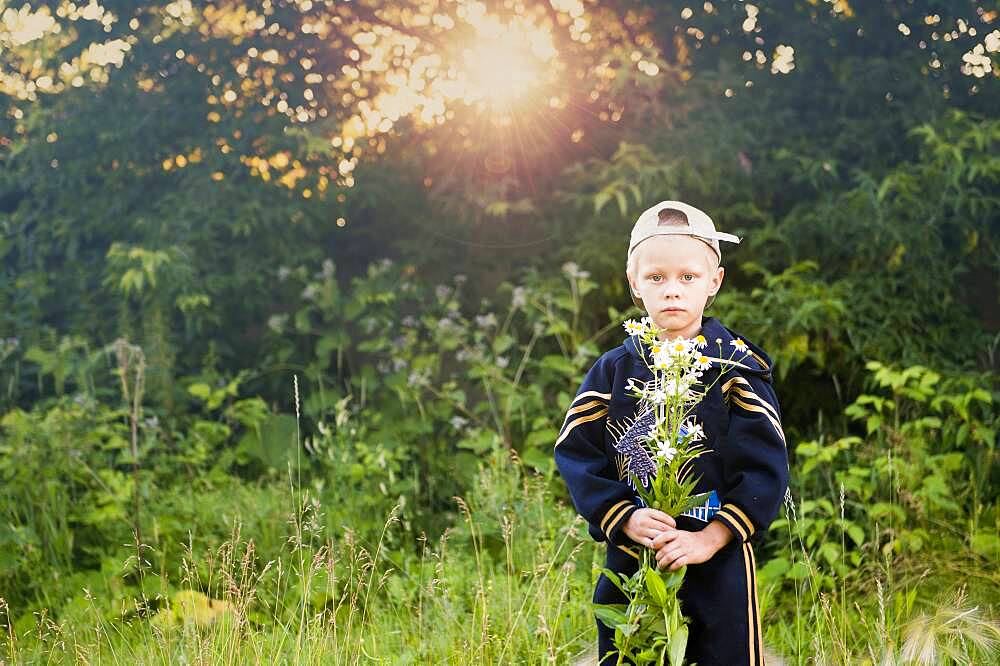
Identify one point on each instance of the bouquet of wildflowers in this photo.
(660, 448)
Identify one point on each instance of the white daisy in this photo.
(632, 327)
(700, 341)
(663, 360)
(739, 344)
(702, 362)
(678, 347)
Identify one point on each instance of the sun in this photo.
(498, 66)
(505, 62)
(499, 72)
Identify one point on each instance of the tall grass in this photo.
(889, 610)
(509, 584)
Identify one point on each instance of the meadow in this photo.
(295, 295)
(328, 548)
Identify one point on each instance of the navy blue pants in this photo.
(719, 597)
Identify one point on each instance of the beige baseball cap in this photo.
(676, 218)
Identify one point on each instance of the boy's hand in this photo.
(677, 548)
(644, 525)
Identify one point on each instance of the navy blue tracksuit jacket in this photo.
(746, 470)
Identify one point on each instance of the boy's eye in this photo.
(654, 278)
(688, 277)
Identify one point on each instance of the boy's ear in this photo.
(631, 283)
(717, 281)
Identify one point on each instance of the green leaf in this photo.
(799, 571)
(657, 588)
(542, 461)
(274, 444)
(502, 343)
(774, 569)
(693, 501)
(622, 202)
(675, 578)
(601, 200)
(610, 614)
(678, 646)
(627, 629)
(986, 544)
(647, 655)
(614, 578)
(560, 364)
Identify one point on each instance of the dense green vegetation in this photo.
(280, 376)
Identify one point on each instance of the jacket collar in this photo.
(722, 343)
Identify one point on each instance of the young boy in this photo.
(673, 269)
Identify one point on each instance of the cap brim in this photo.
(714, 235)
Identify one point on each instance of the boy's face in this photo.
(674, 276)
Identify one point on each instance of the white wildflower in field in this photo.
(488, 320)
(277, 322)
(572, 270)
(519, 297)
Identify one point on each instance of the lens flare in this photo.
(498, 73)
(506, 61)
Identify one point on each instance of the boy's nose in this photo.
(671, 289)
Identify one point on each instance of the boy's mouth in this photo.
(672, 309)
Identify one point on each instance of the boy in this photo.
(673, 269)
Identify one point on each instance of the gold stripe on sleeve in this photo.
(617, 519)
(578, 421)
(629, 551)
(736, 511)
(753, 396)
(596, 394)
(582, 408)
(607, 514)
(732, 521)
(760, 360)
(743, 382)
(757, 408)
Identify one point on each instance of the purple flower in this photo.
(632, 447)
